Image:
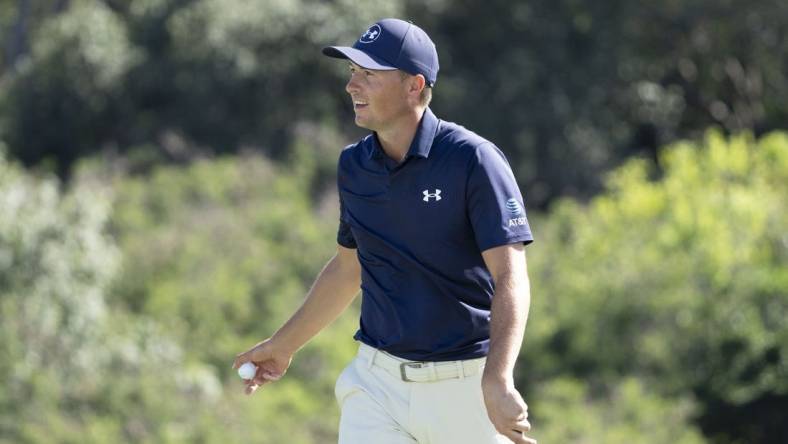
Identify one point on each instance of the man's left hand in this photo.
(507, 410)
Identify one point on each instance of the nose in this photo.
(352, 85)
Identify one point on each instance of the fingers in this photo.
(262, 377)
(518, 437)
(253, 384)
(522, 426)
(266, 371)
(265, 378)
(268, 375)
(268, 368)
(517, 424)
(250, 388)
(515, 429)
(253, 354)
(241, 359)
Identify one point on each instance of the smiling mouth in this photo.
(358, 104)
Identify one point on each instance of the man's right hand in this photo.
(271, 364)
(333, 290)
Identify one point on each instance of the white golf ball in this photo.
(247, 370)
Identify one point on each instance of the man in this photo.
(432, 229)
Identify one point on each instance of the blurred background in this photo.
(167, 195)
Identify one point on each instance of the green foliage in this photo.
(567, 89)
(101, 347)
(658, 311)
(237, 74)
(71, 366)
(568, 413)
(54, 264)
(60, 103)
(681, 281)
(171, 78)
(222, 252)
(219, 249)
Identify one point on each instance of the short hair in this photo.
(426, 94)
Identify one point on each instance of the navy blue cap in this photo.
(392, 44)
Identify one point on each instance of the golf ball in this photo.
(247, 370)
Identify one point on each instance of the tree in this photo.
(679, 279)
(173, 79)
(61, 103)
(571, 89)
(222, 252)
(72, 366)
(123, 302)
(567, 89)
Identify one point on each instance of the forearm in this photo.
(508, 318)
(332, 292)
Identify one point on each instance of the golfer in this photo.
(432, 230)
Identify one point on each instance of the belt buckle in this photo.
(402, 372)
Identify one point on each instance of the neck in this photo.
(396, 138)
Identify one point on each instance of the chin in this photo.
(361, 123)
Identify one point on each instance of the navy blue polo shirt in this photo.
(419, 228)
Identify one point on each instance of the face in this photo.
(380, 98)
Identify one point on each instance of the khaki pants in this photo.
(382, 405)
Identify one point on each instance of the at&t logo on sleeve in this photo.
(516, 210)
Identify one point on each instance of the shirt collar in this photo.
(425, 135)
(422, 141)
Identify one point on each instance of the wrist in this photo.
(491, 377)
(282, 345)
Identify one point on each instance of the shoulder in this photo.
(355, 152)
(457, 136)
(473, 148)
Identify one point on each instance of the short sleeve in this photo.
(344, 234)
(494, 202)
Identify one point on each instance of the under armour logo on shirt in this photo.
(427, 195)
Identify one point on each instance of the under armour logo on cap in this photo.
(371, 35)
(427, 195)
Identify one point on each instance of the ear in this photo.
(417, 84)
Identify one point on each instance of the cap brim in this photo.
(358, 57)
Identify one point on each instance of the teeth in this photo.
(356, 102)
